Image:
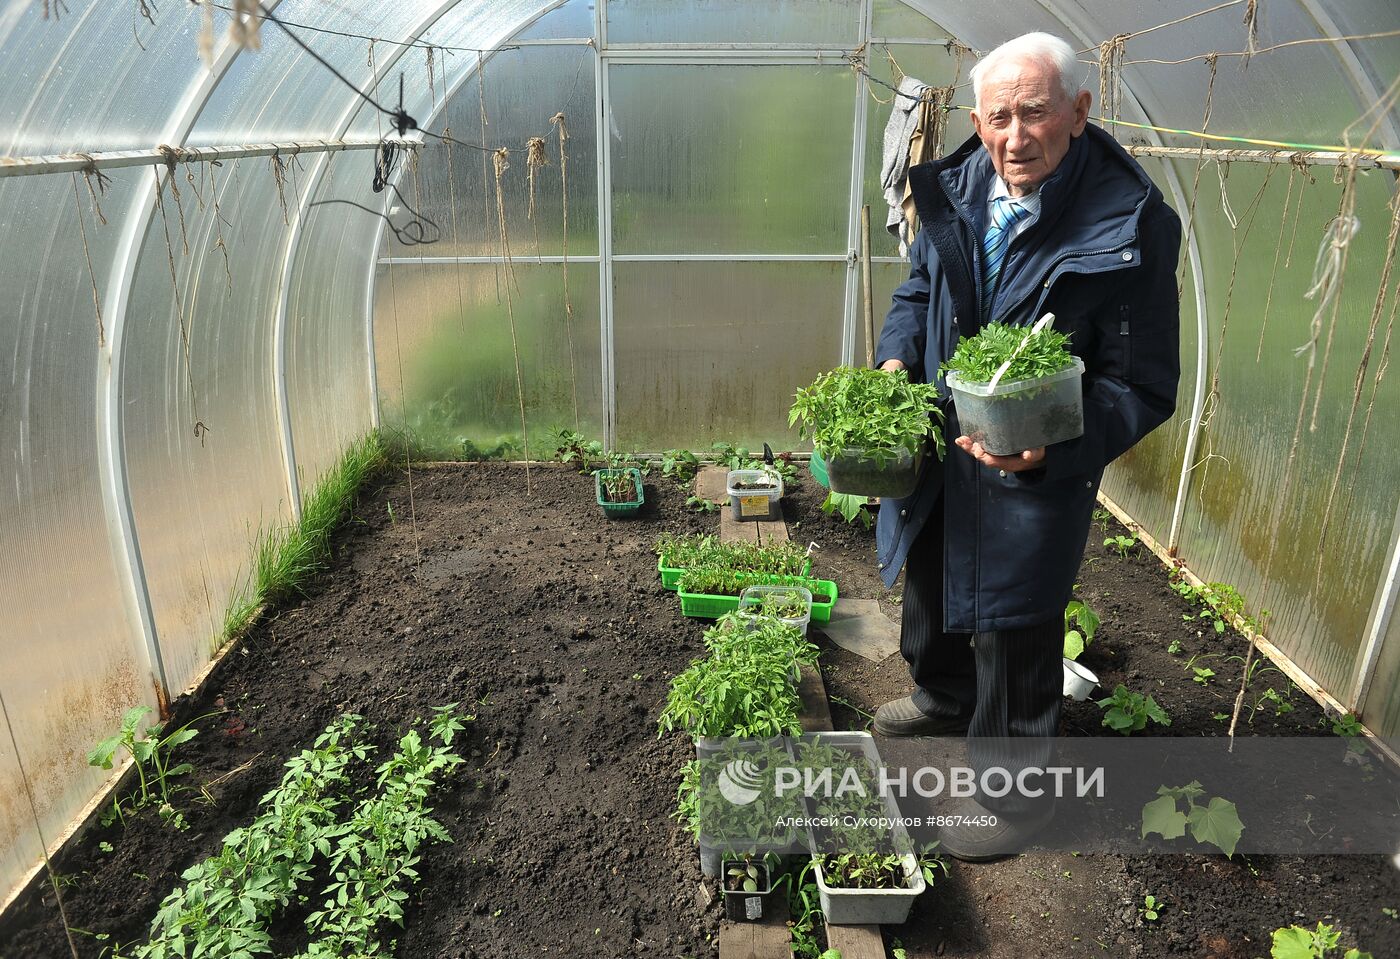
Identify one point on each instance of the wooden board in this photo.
(767, 939)
(816, 711)
(856, 942)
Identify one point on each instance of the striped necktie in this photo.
(1006, 213)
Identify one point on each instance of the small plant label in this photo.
(753, 505)
(753, 908)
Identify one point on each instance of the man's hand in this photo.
(889, 366)
(1015, 463)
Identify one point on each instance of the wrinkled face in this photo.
(1026, 122)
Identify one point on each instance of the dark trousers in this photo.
(1007, 682)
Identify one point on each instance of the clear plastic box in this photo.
(1024, 414)
(752, 598)
(753, 505)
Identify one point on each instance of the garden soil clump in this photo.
(547, 621)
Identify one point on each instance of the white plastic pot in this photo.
(856, 907)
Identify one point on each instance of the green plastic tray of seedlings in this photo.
(706, 606)
(627, 507)
(670, 578)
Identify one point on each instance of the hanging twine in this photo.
(432, 89)
(558, 121)
(501, 161)
(1377, 310)
(535, 157)
(1111, 76)
(172, 156)
(1327, 273)
(87, 255)
(1251, 31)
(244, 26)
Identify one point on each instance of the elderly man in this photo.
(1039, 212)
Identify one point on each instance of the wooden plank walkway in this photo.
(771, 938)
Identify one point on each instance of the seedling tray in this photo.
(706, 606)
(612, 508)
(670, 577)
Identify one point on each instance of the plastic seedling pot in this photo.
(857, 907)
(742, 904)
(891, 475)
(619, 507)
(848, 907)
(754, 495)
(752, 597)
(1021, 415)
(1079, 682)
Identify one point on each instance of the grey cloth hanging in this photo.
(894, 157)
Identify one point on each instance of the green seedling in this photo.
(1128, 712)
(390, 507)
(1080, 615)
(1216, 823)
(880, 413)
(1297, 942)
(977, 358)
(850, 507)
(680, 465)
(619, 486)
(1387, 911)
(1349, 727)
(1102, 517)
(1151, 907)
(1122, 545)
(1203, 675)
(687, 552)
(1175, 647)
(744, 687)
(152, 754)
(702, 505)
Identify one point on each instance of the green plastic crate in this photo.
(619, 509)
(669, 577)
(705, 606)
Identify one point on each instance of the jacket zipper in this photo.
(1056, 271)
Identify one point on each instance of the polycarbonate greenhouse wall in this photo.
(189, 345)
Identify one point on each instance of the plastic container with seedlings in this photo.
(890, 474)
(844, 906)
(712, 606)
(754, 495)
(742, 817)
(608, 481)
(747, 886)
(1009, 417)
(787, 600)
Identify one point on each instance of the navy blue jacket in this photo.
(1102, 257)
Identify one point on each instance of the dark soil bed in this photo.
(548, 623)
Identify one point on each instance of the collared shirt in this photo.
(1031, 202)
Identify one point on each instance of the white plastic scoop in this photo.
(1040, 324)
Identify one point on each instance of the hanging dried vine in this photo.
(500, 160)
(558, 121)
(1111, 77)
(1377, 310)
(87, 256)
(199, 428)
(535, 157)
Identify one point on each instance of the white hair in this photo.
(1044, 47)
